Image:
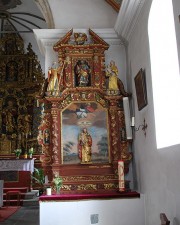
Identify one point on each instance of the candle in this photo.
(48, 191)
(37, 103)
(121, 175)
(132, 122)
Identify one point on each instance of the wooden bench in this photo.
(14, 194)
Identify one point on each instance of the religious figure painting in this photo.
(85, 137)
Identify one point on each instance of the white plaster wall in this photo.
(110, 212)
(157, 170)
(82, 14)
(176, 5)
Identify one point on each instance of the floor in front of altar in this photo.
(25, 215)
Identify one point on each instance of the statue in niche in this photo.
(84, 145)
(11, 71)
(9, 117)
(82, 73)
(46, 138)
(112, 74)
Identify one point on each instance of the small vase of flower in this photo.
(30, 152)
(17, 152)
(58, 181)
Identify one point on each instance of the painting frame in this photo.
(141, 91)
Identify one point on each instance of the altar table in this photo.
(17, 165)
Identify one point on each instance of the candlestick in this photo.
(121, 175)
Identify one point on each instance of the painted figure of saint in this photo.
(112, 74)
(84, 145)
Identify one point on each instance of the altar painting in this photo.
(89, 116)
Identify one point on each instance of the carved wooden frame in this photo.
(89, 177)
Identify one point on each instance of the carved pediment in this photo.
(80, 39)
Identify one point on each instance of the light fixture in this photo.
(142, 126)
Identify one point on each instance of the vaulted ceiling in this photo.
(20, 16)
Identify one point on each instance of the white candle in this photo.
(132, 121)
(121, 175)
(48, 191)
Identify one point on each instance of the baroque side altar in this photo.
(82, 132)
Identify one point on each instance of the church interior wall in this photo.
(157, 169)
(176, 7)
(83, 14)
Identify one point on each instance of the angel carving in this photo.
(80, 38)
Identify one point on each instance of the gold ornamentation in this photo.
(80, 38)
(55, 140)
(86, 187)
(66, 187)
(125, 154)
(88, 178)
(101, 100)
(110, 186)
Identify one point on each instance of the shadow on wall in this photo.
(176, 221)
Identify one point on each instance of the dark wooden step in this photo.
(20, 189)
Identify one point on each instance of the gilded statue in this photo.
(9, 118)
(28, 124)
(54, 77)
(112, 74)
(84, 144)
